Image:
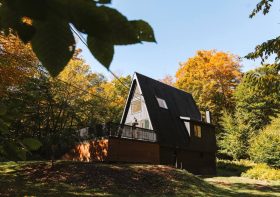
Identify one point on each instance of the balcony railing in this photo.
(120, 131)
(131, 132)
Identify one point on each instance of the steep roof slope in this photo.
(166, 122)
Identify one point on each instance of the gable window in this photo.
(147, 124)
(197, 131)
(136, 106)
(144, 124)
(162, 103)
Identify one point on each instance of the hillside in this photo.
(87, 179)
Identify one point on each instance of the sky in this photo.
(182, 27)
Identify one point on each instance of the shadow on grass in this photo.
(259, 187)
(228, 168)
(87, 179)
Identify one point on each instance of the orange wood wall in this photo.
(96, 150)
(115, 150)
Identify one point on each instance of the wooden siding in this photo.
(193, 161)
(115, 150)
(207, 142)
(95, 150)
(135, 151)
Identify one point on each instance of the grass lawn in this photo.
(88, 179)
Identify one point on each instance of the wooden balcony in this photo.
(119, 131)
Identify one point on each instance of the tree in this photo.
(17, 62)
(270, 47)
(46, 25)
(168, 79)
(116, 91)
(264, 147)
(211, 77)
(54, 109)
(233, 141)
(256, 105)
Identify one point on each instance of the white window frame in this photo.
(188, 127)
(138, 100)
(161, 103)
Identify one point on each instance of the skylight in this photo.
(162, 103)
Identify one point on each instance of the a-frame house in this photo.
(184, 139)
(160, 125)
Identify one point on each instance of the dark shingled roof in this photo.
(166, 123)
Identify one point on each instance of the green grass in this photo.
(88, 179)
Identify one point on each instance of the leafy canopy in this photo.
(211, 77)
(265, 147)
(47, 25)
(270, 47)
(17, 63)
(255, 106)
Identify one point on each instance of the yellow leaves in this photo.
(26, 20)
(210, 76)
(17, 62)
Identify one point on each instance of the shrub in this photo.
(265, 147)
(233, 141)
(262, 172)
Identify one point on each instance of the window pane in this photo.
(187, 125)
(197, 131)
(136, 106)
(162, 103)
(146, 124)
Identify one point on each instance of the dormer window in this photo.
(162, 103)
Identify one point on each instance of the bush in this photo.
(233, 141)
(265, 147)
(262, 172)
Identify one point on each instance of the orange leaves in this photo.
(17, 62)
(211, 76)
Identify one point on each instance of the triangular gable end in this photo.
(136, 108)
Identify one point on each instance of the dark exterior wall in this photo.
(126, 150)
(207, 143)
(194, 161)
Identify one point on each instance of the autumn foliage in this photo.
(17, 62)
(211, 77)
(89, 151)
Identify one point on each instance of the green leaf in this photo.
(103, 1)
(53, 43)
(8, 18)
(102, 50)
(3, 127)
(25, 32)
(120, 32)
(21, 153)
(13, 151)
(31, 143)
(3, 110)
(144, 31)
(88, 18)
(35, 9)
